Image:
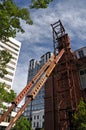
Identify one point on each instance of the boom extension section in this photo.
(33, 87)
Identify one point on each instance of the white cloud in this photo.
(70, 12)
(37, 38)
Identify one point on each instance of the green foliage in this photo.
(6, 95)
(10, 16)
(40, 3)
(80, 116)
(22, 124)
(5, 57)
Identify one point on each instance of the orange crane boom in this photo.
(33, 87)
(24, 92)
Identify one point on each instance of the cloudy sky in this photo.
(37, 38)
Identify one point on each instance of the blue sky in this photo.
(37, 38)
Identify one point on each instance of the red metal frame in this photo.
(65, 95)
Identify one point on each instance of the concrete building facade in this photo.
(13, 47)
(81, 55)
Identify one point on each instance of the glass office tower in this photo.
(35, 110)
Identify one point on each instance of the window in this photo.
(9, 73)
(43, 124)
(81, 53)
(34, 117)
(34, 124)
(85, 71)
(13, 63)
(9, 67)
(37, 124)
(7, 79)
(81, 72)
(37, 117)
(42, 96)
(43, 116)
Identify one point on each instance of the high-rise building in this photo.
(13, 47)
(35, 110)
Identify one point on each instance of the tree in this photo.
(5, 57)
(6, 95)
(22, 124)
(10, 16)
(80, 116)
(40, 3)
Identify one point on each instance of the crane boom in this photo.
(35, 85)
(24, 92)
